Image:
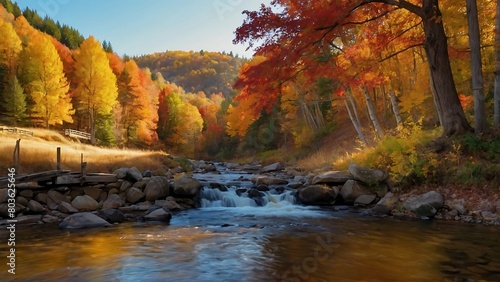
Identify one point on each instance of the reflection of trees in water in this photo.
(472, 253)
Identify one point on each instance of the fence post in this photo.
(58, 158)
(17, 151)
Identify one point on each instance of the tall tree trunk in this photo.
(496, 98)
(395, 107)
(373, 116)
(357, 126)
(436, 47)
(480, 122)
(354, 105)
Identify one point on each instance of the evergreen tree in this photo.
(14, 103)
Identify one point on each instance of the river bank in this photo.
(155, 195)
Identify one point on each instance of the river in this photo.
(227, 240)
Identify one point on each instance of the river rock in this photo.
(134, 174)
(380, 210)
(93, 192)
(50, 218)
(156, 188)
(125, 186)
(272, 167)
(29, 219)
(27, 193)
(134, 195)
(425, 205)
(66, 208)
(158, 215)
(364, 200)
(186, 186)
(22, 201)
(4, 207)
(351, 190)
(4, 195)
(112, 202)
(57, 197)
(459, 208)
(333, 177)
(75, 192)
(141, 184)
(85, 203)
(121, 172)
(258, 179)
(83, 220)
(169, 204)
(367, 175)
(35, 206)
(317, 195)
(388, 200)
(488, 215)
(41, 198)
(111, 215)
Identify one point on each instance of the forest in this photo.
(396, 76)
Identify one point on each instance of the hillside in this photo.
(210, 72)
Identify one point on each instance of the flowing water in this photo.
(233, 239)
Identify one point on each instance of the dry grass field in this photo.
(39, 153)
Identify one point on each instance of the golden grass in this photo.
(39, 153)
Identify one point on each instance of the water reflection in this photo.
(218, 245)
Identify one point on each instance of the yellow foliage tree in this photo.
(45, 81)
(97, 90)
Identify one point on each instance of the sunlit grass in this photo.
(39, 153)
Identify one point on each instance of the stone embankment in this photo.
(135, 196)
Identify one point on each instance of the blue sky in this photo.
(136, 27)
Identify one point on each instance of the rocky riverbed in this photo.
(156, 195)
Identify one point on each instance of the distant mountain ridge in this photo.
(210, 72)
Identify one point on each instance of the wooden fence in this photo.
(16, 130)
(77, 134)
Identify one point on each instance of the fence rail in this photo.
(16, 130)
(77, 134)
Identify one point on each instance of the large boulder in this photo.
(365, 200)
(83, 220)
(134, 174)
(57, 197)
(66, 208)
(158, 215)
(134, 195)
(272, 167)
(333, 177)
(258, 179)
(367, 175)
(112, 202)
(35, 206)
(111, 215)
(121, 173)
(425, 205)
(317, 195)
(351, 190)
(85, 203)
(93, 192)
(156, 188)
(186, 186)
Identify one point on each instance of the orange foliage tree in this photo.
(308, 36)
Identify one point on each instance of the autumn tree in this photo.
(10, 47)
(97, 89)
(297, 33)
(136, 106)
(46, 84)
